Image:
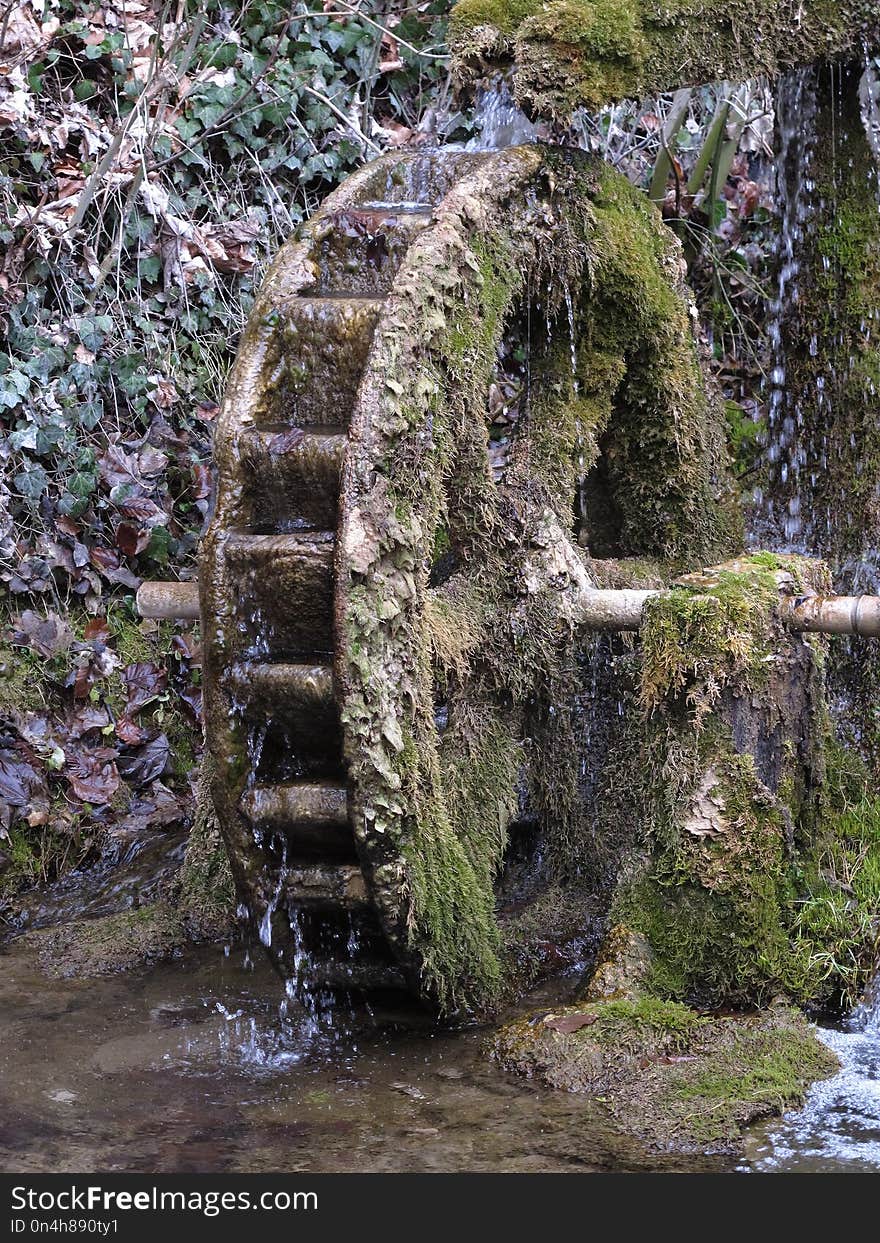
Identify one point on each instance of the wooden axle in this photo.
(859, 615)
(599, 610)
(170, 600)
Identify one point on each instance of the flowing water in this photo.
(838, 1128)
(501, 122)
(779, 517)
(195, 1068)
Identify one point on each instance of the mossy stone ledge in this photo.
(676, 1079)
(569, 54)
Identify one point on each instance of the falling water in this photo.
(839, 1126)
(779, 509)
(812, 416)
(501, 122)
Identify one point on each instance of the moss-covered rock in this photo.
(751, 863)
(676, 1078)
(128, 941)
(587, 53)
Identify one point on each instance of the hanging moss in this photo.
(667, 471)
(694, 642)
(493, 641)
(588, 53)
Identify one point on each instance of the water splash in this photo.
(838, 1128)
(501, 122)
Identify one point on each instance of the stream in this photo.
(195, 1068)
(838, 1129)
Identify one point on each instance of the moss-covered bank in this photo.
(587, 53)
(196, 905)
(675, 1078)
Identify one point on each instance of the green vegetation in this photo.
(628, 1026)
(673, 1077)
(664, 448)
(695, 641)
(133, 235)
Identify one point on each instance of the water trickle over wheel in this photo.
(387, 583)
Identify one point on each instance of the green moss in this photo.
(748, 893)
(601, 42)
(203, 891)
(666, 473)
(570, 54)
(130, 941)
(29, 682)
(677, 1079)
(629, 1025)
(505, 15)
(716, 901)
(492, 646)
(836, 928)
(756, 1070)
(695, 642)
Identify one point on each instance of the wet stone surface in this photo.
(191, 1068)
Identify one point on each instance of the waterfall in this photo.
(501, 122)
(821, 488)
(778, 514)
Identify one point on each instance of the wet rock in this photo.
(622, 967)
(407, 1089)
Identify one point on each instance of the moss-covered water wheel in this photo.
(432, 369)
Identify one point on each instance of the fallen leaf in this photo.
(144, 682)
(207, 411)
(19, 780)
(130, 732)
(92, 775)
(132, 540)
(48, 635)
(88, 718)
(142, 508)
(117, 467)
(97, 630)
(568, 1023)
(141, 767)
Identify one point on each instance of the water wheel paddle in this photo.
(387, 585)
